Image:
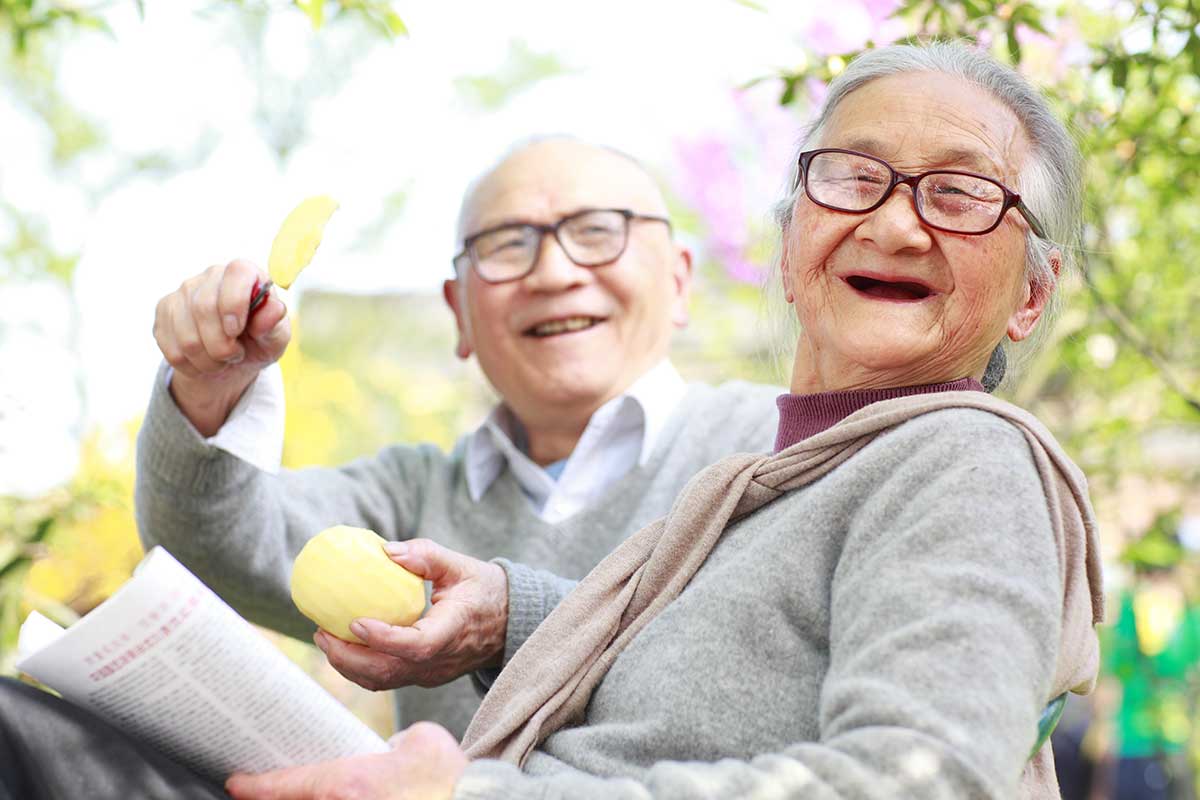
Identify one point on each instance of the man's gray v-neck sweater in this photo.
(239, 528)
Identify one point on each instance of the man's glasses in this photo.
(949, 200)
(589, 238)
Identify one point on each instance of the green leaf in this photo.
(43, 529)
(394, 24)
(789, 91)
(315, 10)
(1029, 16)
(1120, 72)
(974, 9)
(1014, 46)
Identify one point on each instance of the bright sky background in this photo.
(642, 75)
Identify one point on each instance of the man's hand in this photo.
(205, 332)
(424, 763)
(463, 630)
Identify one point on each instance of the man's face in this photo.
(550, 374)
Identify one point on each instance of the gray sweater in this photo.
(818, 652)
(239, 529)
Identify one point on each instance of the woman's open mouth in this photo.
(903, 291)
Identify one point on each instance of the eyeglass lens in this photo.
(589, 239)
(961, 203)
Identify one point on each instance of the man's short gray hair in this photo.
(525, 143)
(1050, 183)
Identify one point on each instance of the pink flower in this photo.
(849, 25)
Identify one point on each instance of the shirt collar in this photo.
(657, 393)
(648, 403)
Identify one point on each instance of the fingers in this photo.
(215, 345)
(442, 625)
(294, 783)
(270, 328)
(372, 670)
(429, 560)
(421, 641)
(188, 325)
(204, 327)
(396, 656)
(422, 734)
(233, 296)
(348, 657)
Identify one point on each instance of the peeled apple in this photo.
(298, 238)
(343, 573)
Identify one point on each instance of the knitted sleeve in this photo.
(532, 595)
(945, 607)
(239, 528)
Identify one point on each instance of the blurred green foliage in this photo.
(523, 68)
(26, 20)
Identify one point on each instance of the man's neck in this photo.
(554, 436)
(547, 445)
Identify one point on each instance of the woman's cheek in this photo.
(812, 241)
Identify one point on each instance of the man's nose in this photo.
(553, 270)
(895, 225)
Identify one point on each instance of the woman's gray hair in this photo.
(1050, 183)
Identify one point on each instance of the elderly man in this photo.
(567, 289)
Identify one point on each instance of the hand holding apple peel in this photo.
(298, 239)
(343, 573)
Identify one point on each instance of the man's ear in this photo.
(1025, 318)
(452, 293)
(681, 275)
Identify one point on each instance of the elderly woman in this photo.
(883, 607)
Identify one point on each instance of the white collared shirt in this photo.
(254, 429)
(621, 434)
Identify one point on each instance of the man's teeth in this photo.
(563, 326)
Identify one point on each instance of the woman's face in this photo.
(883, 299)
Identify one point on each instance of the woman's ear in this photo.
(1036, 295)
(784, 272)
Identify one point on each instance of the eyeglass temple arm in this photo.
(1034, 223)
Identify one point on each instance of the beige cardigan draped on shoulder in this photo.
(549, 681)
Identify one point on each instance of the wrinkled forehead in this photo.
(924, 120)
(548, 180)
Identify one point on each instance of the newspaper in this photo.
(168, 662)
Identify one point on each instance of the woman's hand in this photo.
(424, 763)
(463, 630)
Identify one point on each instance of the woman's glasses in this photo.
(949, 200)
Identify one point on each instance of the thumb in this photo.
(264, 319)
(285, 784)
(429, 560)
(271, 328)
(397, 739)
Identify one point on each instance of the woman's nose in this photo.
(895, 225)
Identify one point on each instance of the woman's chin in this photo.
(875, 365)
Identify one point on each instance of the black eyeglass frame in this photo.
(467, 255)
(1011, 198)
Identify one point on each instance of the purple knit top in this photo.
(803, 415)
